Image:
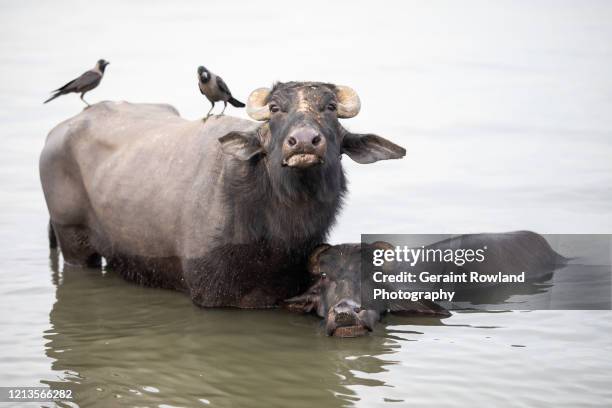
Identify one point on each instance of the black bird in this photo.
(213, 87)
(83, 84)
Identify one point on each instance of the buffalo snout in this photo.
(347, 319)
(304, 147)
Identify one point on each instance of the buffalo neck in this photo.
(281, 207)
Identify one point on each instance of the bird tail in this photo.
(235, 102)
(55, 95)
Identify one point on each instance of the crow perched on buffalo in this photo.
(86, 82)
(213, 87)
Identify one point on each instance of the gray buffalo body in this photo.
(205, 207)
(140, 186)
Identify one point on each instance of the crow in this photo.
(213, 87)
(83, 84)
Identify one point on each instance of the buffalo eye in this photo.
(323, 275)
(331, 107)
(274, 108)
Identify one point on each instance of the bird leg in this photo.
(83, 99)
(211, 108)
(224, 106)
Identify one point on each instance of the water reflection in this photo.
(113, 341)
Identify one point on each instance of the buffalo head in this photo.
(337, 289)
(302, 130)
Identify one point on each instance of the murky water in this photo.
(504, 109)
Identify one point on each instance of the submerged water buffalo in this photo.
(339, 289)
(227, 210)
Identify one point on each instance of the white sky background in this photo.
(505, 108)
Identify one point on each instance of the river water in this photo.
(504, 109)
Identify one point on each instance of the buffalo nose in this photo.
(346, 306)
(304, 139)
(344, 313)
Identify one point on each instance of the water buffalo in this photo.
(226, 210)
(338, 287)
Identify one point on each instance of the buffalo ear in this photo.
(241, 145)
(304, 303)
(370, 148)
